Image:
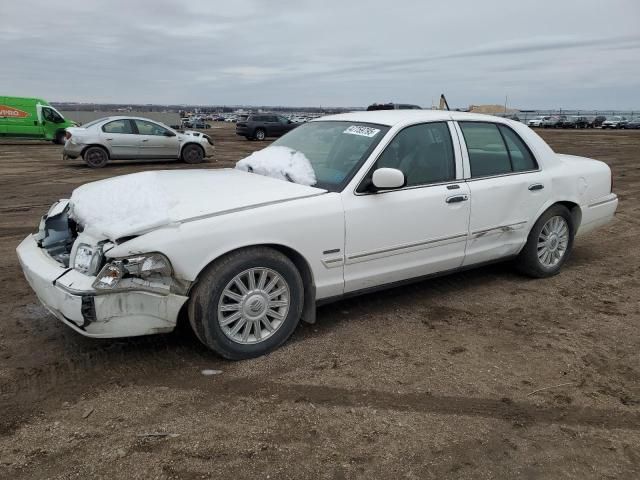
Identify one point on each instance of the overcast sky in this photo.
(541, 54)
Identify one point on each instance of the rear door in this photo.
(120, 138)
(155, 140)
(507, 190)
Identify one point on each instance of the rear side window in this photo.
(495, 150)
(521, 157)
(117, 126)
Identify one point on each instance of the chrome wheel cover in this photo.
(553, 241)
(253, 305)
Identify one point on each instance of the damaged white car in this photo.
(341, 205)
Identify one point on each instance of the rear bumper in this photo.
(243, 131)
(598, 213)
(68, 295)
(72, 150)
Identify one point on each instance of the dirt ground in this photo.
(483, 374)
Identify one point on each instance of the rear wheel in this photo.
(247, 303)
(192, 154)
(548, 245)
(260, 134)
(95, 157)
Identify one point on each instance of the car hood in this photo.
(138, 203)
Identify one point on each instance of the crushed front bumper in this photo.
(69, 296)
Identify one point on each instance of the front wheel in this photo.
(548, 245)
(59, 138)
(192, 154)
(247, 303)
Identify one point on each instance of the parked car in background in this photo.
(567, 122)
(554, 121)
(119, 138)
(633, 123)
(537, 121)
(584, 122)
(200, 125)
(258, 126)
(614, 122)
(219, 118)
(31, 118)
(392, 106)
(361, 201)
(598, 121)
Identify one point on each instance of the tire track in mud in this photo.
(519, 412)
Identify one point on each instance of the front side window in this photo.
(150, 128)
(424, 153)
(495, 150)
(51, 115)
(118, 126)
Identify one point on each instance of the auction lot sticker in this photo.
(12, 112)
(362, 131)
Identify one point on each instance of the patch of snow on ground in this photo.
(280, 162)
(115, 205)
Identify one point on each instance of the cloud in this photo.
(333, 53)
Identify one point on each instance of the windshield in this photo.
(334, 149)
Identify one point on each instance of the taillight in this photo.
(67, 135)
(611, 173)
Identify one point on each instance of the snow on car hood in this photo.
(140, 202)
(280, 162)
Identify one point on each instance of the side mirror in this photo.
(169, 134)
(388, 178)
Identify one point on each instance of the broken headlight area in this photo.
(150, 272)
(88, 259)
(57, 232)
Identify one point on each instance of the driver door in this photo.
(155, 141)
(416, 230)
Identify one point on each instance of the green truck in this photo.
(31, 118)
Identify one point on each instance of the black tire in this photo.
(95, 157)
(528, 262)
(203, 304)
(59, 138)
(260, 134)
(192, 153)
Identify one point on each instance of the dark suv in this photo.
(259, 126)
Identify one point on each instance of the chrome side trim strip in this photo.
(609, 200)
(505, 228)
(399, 248)
(333, 262)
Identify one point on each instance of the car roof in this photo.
(401, 117)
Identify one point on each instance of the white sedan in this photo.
(341, 205)
(129, 138)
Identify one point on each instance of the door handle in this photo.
(457, 198)
(536, 186)
(145, 139)
(108, 139)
